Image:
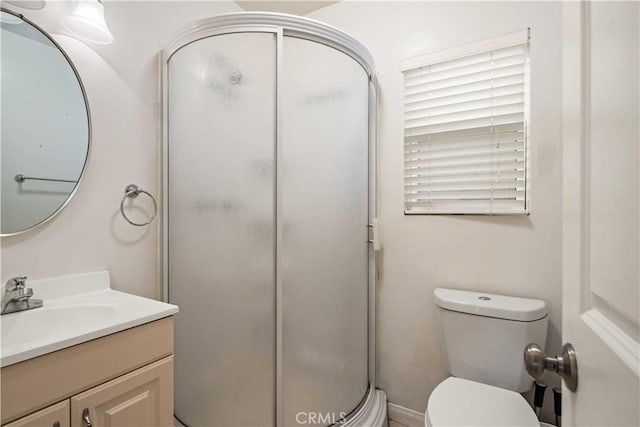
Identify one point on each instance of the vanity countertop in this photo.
(77, 308)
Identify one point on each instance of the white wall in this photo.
(517, 255)
(121, 82)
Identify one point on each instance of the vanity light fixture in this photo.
(87, 23)
(28, 4)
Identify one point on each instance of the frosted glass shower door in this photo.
(324, 265)
(221, 229)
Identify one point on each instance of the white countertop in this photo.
(76, 309)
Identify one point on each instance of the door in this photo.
(323, 175)
(221, 228)
(143, 397)
(601, 211)
(53, 416)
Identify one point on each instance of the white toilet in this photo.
(483, 339)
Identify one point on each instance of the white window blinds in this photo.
(465, 129)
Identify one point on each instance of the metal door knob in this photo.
(565, 365)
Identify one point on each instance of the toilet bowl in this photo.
(483, 338)
(460, 402)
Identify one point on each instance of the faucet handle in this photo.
(16, 283)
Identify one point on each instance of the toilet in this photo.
(483, 337)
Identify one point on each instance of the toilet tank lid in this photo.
(490, 305)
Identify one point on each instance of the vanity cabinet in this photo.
(123, 379)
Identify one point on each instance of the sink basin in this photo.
(40, 324)
(76, 309)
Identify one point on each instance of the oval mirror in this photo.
(46, 130)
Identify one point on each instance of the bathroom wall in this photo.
(121, 80)
(513, 255)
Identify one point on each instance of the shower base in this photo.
(373, 412)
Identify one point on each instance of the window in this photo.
(465, 129)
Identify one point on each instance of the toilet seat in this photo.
(460, 402)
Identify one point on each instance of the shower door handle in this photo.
(374, 234)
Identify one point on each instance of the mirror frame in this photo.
(89, 127)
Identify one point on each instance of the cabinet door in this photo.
(141, 398)
(53, 416)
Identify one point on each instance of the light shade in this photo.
(87, 23)
(27, 4)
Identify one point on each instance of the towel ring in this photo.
(134, 191)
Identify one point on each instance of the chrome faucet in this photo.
(17, 297)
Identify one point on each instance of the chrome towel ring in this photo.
(133, 191)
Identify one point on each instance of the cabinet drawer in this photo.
(140, 398)
(54, 416)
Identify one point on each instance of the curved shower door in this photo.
(221, 229)
(267, 218)
(323, 258)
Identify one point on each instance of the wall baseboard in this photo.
(406, 416)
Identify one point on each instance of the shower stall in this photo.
(269, 202)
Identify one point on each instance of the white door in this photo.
(601, 211)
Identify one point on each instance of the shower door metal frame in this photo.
(280, 25)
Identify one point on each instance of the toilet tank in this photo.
(484, 335)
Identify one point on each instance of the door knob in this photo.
(565, 365)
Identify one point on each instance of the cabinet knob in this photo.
(85, 417)
(56, 424)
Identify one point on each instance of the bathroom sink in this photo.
(48, 322)
(76, 309)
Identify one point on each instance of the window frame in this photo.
(458, 52)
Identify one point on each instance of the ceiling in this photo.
(296, 7)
